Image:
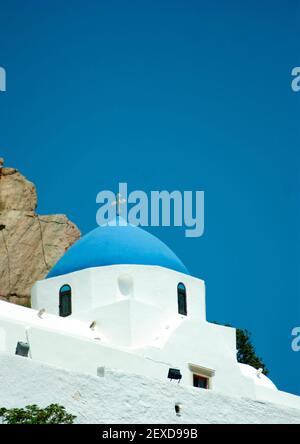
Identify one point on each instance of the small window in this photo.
(65, 301)
(181, 294)
(200, 381)
(202, 377)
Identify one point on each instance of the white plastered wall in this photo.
(70, 344)
(129, 303)
(137, 328)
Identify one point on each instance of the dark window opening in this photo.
(200, 381)
(174, 373)
(22, 349)
(65, 301)
(181, 294)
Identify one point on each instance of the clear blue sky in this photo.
(188, 95)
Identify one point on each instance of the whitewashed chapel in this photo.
(121, 299)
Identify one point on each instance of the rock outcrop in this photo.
(29, 244)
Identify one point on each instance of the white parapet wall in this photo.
(119, 397)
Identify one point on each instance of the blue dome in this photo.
(115, 245)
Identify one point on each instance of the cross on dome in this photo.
(118, 202)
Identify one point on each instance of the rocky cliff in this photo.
(29, 244)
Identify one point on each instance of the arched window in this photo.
(65, 301)
(181, 295)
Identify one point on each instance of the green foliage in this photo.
(32, 414)
(246, 353)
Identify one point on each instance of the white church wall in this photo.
(2, 339)
(277, 397)
(98, 294)
(105, 285)
(205, 345)
(45, 293)
(144, 328)
(127, 323)
(120, 397)
(112, 319)
(72, 345)
(153, 285)
(10, 334)
(85, 355)
(15, 321)
(66, 343)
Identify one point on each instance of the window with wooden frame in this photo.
(202, 377)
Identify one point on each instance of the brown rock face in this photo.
(29, 244)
